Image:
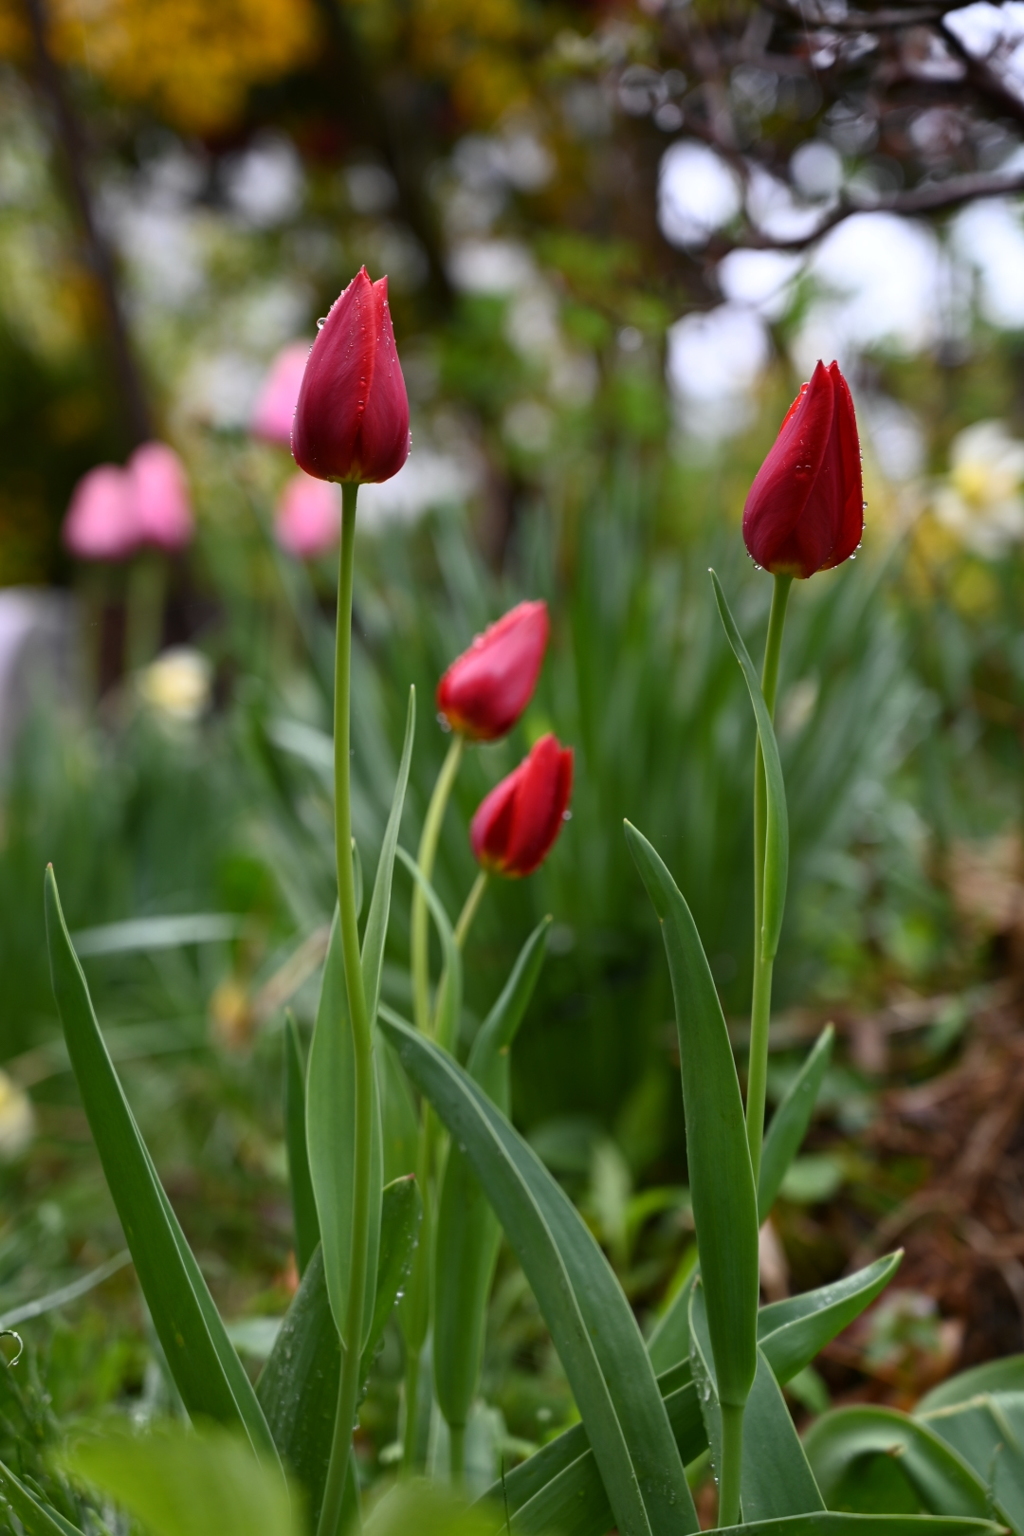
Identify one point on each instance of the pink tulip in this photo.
(275, 406)
(308, 521)
(160, 492)
(101, 523)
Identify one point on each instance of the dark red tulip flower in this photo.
(352, 417)
(515, 827)
(805, 510)
(486, 689)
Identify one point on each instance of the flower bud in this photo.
(274, 411)
(352, 417)
(101, 522)
(308, 521)
(805, 509)
(486, 689)
(159, 492)
(516, 825)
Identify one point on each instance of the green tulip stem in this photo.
(761, 1002)
(729, 1472)
(330, 1514)
(419, 946)
(470, 908)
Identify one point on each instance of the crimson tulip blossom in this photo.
(515, 826)
(352, 417)
(486, 689)
(805, 509)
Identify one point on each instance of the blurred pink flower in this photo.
(101, 523)
(308, 521)
(275, 406)
(162, 507)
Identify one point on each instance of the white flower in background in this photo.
(177, 685)
(981, 501)
(17, 1122)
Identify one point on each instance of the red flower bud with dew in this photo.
(805, 509)
(352, 417)
(486, 689)
(515, 827)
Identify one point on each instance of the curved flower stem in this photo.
(729, 1473)
(420, 953)
(348, 1387)
(470, 907)
(761, 1003)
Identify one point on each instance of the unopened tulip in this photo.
(515, 827)
(101, 522)
(805, 510)
(352, 417)
(274, 411)
(308, 520)
(160, 494)
(486, 689)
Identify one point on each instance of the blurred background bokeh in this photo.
(617, 237)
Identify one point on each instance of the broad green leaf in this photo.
(206, 1370)
(182, 1483)
(376, 931)
(304, 1217)
(591, 1323)
(418, 1508)
(467, 1235)
(944, 1482)
(560, 1487)
(1005, 1375)
(988, 1432)
(776, 1479)
(792, 1332)
(776, 863)
(721, 1178)
(790, 1121)
(448, 1007)
(330, 1135)
(834, 1523)
(298, 1387)
(35, 1518)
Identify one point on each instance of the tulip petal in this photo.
(491, 825)
(383, 445)
(773, 519)
(486, 689)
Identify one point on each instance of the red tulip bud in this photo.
(515, 827)
(352, 418)
(486, 689)
(805, 510)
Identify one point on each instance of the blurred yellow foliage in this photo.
(481, 49)
(191, 61)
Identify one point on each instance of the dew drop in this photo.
(567, 815)
(321, 322)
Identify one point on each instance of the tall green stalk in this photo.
(419, 946)
(348, 1386)
(761, 1003)
(732, 1459)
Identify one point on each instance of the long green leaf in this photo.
(35, 1520)
(330, 1135)
(208, 1373)
(467, 1236)
(555, 1486)
(590, 1320)
(376, 931)
(792, 1332)
(670, 1341)
(834, 1523)
(944, 1482)
(560, 1487)
(1006, 1375)
(448, 1007)
(298, 1387)
(304, 1217)
(721, 1178)
(790, 1121)
(776, 862)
